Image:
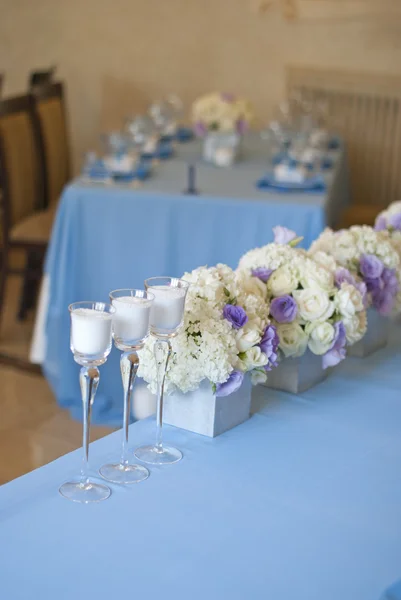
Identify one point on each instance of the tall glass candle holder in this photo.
(130, 330)
(90, 344)
(166, 319)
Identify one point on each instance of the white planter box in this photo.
(376, 336)
(203, 412)
(296, 375)
(221, 149)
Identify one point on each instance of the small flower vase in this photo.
(221, 149)
(376, 336)
(203, 412)
(296, 375)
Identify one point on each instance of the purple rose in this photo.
(232, 384)
(374, 285)
(383, 302)
(242, 126)
(236, 315)
(395, 221)
(370, 266)
(284, 309)
(390, 281)
(200, 128)
(269, 346)
(262, 274)
(282, 235)
(337, 351)
(381, 223)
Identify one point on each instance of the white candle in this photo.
(168, 307)
(90, 331)
(131, 319)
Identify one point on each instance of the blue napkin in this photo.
(393, 592)
(333, 143)
(326, 162)
(141, 172)
(163, 151)
(184, 134)
(312, 184)
(97, 170)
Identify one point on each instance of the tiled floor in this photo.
(33, 429)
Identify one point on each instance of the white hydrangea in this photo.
(221, 112)
(208, 346)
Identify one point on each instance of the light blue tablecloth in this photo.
(302, 502)
(114, 237)
(393, 592)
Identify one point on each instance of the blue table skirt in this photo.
(303, 501)
(109, 238)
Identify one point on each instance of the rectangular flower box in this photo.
(296, 375)
(376, 336)
(205, 413)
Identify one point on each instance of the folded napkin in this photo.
(164, 150)
(98, 171)
(311, 184)
(141, 171)
(325, 163)
(183, 134)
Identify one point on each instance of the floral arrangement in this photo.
(309, 304)
(221, 112)
(370, 256)
(226, 334)
(390, 219)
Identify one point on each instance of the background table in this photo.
(303, 501)
(114, 237)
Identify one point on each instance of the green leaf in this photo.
(242, 355)
(227, 293)
(214, 388)
(295, 242)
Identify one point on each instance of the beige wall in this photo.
(118, 55)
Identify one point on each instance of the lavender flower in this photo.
(370, 266)
(383, 301)
(262, 273)
(282, 235)
(232, 384)
(395, 221)
(242, 126)
(384, 291)
(337, 351)
(236, 315)
(228, 97)
(200, 128)
(381, 223)
(284, 309)
(269, 346)
(342, 275)
(390, 281)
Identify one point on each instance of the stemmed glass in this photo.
(130, 330)
(166, 319)
(90, 343)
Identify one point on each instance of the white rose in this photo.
(348, 300)
(258, 376)
(316, 276)
(293, 339)
(325, 260)
(321, 336)
(313, 304)
(254, 358)
(355, 327)
(246, 339)
(283, 281)
(251, 285)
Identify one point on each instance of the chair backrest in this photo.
(41, 78)
(366, 110)
(50, 110)
(21, 161)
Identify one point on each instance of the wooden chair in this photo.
(41, 78)
(22, 172)
(365, 109)
(51, 116)
(1, 83)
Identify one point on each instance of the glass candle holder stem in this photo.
(162, 351)
(129, 364)
(89, 381)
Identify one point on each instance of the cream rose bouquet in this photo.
(309, 308)
(226, 334)
(221, 112)
(370, 256)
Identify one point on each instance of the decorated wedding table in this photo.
(110, 235)
(302, 501)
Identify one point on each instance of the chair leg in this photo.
(32, 276)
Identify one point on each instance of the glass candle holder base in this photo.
(84, 492)
(156, 455)
(124, 474)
